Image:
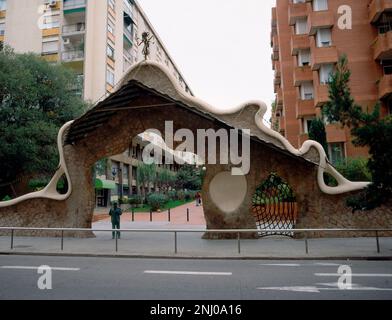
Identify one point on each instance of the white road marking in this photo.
(36, 268)
(313, 289)
(281, 264)
(326, 264)
(193, 273)
(364, 275)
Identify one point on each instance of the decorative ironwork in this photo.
(274, 206)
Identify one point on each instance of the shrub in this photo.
(181, 195)
(156, 201)
(355, 169)
(135, 200)
(172, 195)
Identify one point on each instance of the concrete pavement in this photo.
(150, 279)
(190, 245)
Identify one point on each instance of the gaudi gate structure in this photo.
(284, 187)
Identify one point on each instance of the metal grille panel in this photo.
(274, 207)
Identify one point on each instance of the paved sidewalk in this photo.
(191, 245)
(178, 216)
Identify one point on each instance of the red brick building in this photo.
(307, 40)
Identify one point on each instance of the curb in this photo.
(189, 257)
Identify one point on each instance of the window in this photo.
(51, 21)
(304, 58)
(324, 38)
(320, 5)
(325, 73)
(306, 123)
(299, 1)
(2, 29)
(307, 91)
(110, 77)
(301, 26)
(110, 52)
(3, 5)
(50, 47)
(387, 66)
(336, 152)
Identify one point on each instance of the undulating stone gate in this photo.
(146, 98)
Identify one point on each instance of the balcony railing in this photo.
(72, 28)
(72, 55)
(377, 7)
(74, 3)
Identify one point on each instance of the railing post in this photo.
(62, 240)
(187, 214)
(306, 244)
(239, 242)
(378, 242)
(116, 240)
(150, 215)
(175, 242)
(168, 215)
(12, 239)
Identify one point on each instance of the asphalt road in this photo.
(150, 279)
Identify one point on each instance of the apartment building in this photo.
(306, 41)
(96, 38)
(99, 40)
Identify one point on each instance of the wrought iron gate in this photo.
(274, 206)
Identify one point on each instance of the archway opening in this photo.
(274, 207)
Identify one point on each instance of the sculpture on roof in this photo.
(145, 41)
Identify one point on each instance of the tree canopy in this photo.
(36, 99)
(369, 130)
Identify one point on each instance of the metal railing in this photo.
(74, 3)
(175, 232)
(71, 28)
(72, 55)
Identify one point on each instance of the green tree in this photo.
(317, 133)
(36, 99)
(166, 179)
(369, 130)
(189, 177)
(145, 175)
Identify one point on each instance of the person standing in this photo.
(115, 213)
(198, 199)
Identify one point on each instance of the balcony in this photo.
(321, 95)
(73, 6)
(385, 86)
(72, 55)
(320, 19)
(302, 74)
(275, 56)
(382, 47)
(323, 55)
(305, 108)
(377, 7)
(74, 29)
(297, 11)
(274, 18)
(299, 42)
(279, 97)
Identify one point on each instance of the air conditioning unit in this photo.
(52, 3)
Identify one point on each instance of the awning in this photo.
(104, 184)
